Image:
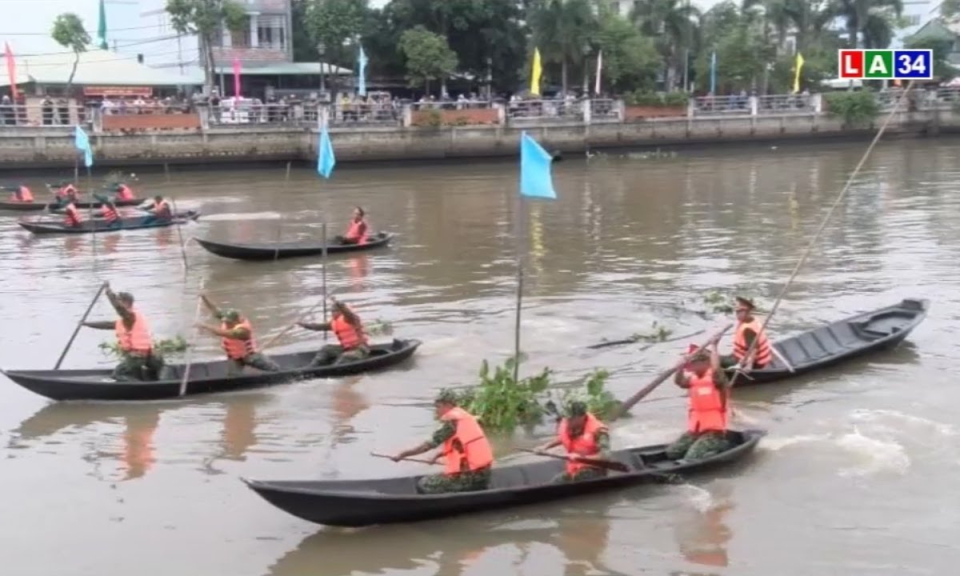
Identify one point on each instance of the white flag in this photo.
(599, 71)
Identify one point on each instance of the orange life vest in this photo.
(109, 213)
(239, 349)
(740, 347)
(583, 445)
(468, 449)
(357, 231)
(124, 193)
(137, 339)
(162, 209)
(72, 215)
(706, 412)
(66, 191)
(22, 194)
(348, 336)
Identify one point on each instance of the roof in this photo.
(285, 69)
(95, 68)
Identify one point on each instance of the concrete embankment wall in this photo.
(50, 147)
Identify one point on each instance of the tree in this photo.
(873, 19)
(68, 31)
(564, 31)
(337, 24)
(630, 60)
(673, 26)
(941, 46)
(428, 55)
(206, 19)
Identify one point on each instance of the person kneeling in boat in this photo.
(71, 215)
(108, 211)
(138, 361)
(581, 434)
(346, 325)
(357, 233)
(21, 194)
(122, 192)
(65, 192)
(237, 340)
(707, 386)
(749, 328)
(466, 451)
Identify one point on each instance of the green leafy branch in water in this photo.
(658, 333)
(502, 404)
(379, 328)
(116, 177)
(166, 347)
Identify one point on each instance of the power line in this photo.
(48, 33)
(28, 64)
(70, 52)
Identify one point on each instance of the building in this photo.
(941, 29)
(915, 14)
(263, 46)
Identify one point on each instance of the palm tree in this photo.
(563, 30)
(674, 26)
(870, 18)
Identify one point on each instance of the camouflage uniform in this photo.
(255, 360)
(138, 368)
(691, 446)
(444, 483)
(333, 354)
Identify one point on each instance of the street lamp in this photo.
(321, 51)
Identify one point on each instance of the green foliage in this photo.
(855, 108)
(428, 55)
(658, 333)
(502, 404)
(165, 348)
(206, 18)
(942, 47)
(564, 31)
(657, 100)
(630, 60)
(378, 328)
(336, 24)
(68, 31)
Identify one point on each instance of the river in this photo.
(857, 475)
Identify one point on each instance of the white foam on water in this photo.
(876, 456)
(774, 444)
(700, 498)
(865, 415)
(235, 217)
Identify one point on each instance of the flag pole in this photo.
(286, 186)
(516, 329)
(324, 272)
(93, 222)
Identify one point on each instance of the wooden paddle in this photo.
(595, 462)
(196, 318)
(80, 325)
(303, 317)
(183, 246)
(420, 460)
(663, 376)
(634, 339)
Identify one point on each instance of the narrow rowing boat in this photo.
(278, 250)
(392, 500)
(841, 341)
(205, 377)
(98, 225)
(38, 206)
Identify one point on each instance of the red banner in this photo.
(117, 91)
(11, 71)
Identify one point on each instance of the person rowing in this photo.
(138, 362)
(159, 210)
(123, 192)
(707, 386)
(237, 340)
(748, 329)
(108, 211)
(357, 233)
(21, 194)
(581, 434)
(466, 451)
(64, 192)
(71, 215)
(348, 328)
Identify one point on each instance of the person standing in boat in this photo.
(237, 340)
(137, 360)
(123, 192)
(707, 386)
(581, 434)
(358, 231)
(465, 449)
(65, 192)
(108, 211)
(346, 325)
(748, 329)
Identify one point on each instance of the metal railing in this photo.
(451, 105)
(558, 109)
(721, 105)
(605, 109)
(39, 115)
(365, 113)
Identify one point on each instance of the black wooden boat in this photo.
(841, 341)
(277, 250)
(99, 225)
(390, 500)
(53, 206)
(205, 377)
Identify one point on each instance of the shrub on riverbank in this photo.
(656, 100)
(854, 108)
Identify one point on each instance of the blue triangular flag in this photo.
(82, 143)
(535, 178)
(325, 158)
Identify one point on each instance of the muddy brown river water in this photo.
(857, 476)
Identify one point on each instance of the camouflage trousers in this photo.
(334, 354)
(255, 360)
(588, 473)
(138, 368)
(462, 482)
(692, 446)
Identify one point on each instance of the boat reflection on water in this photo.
(359, 267)
(73, 245)
(138, 447)
(110, 242)
(703, 536)
(164, 237)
